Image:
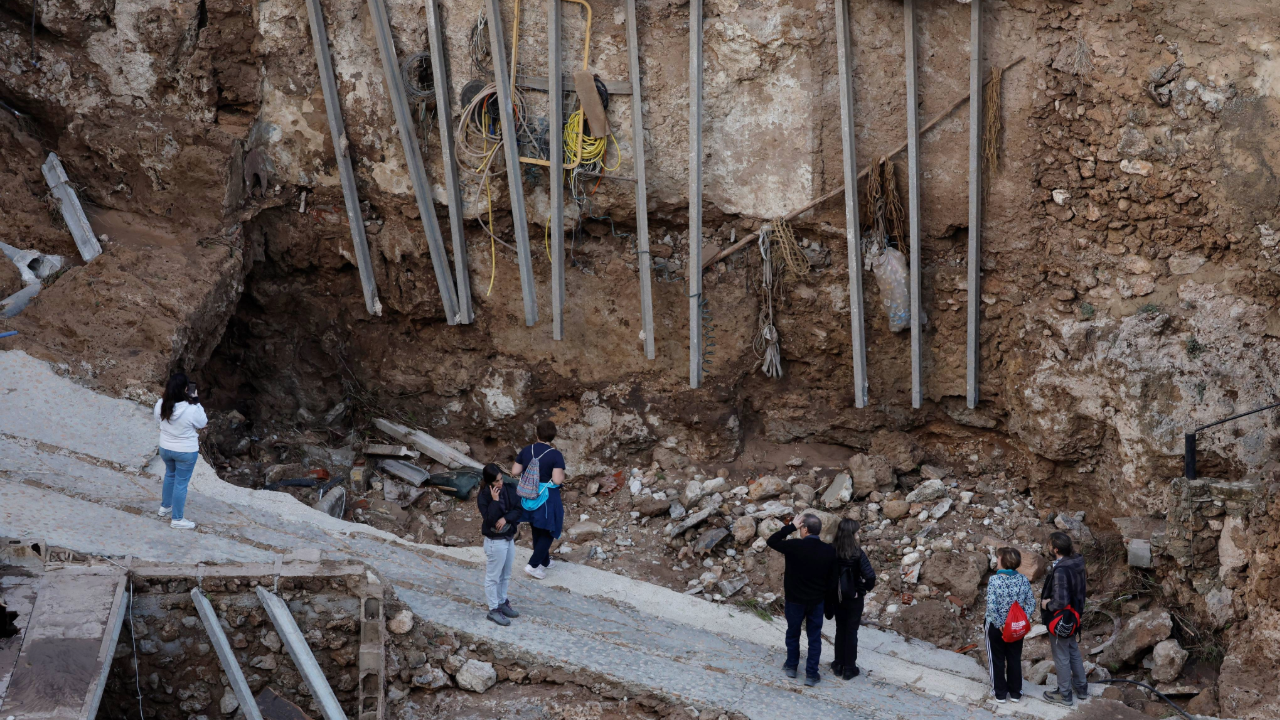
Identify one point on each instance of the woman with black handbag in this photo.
(854, 578)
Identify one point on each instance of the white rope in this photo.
(765, 342)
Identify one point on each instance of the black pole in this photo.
(1189, 456)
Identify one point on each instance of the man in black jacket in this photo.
(810, 571)
(500, 512)
(1064, 590)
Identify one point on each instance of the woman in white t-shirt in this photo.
(180, 416)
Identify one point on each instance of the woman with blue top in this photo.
(544, 513)
(1006, 587)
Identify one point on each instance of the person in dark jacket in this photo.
(500, 512)
(1064, 587)
(810, 570)
(544, 513)
(854, 578)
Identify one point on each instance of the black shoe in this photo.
(506, 609)
(811, 680)
(837, 668)
(790, 671)
(851, 674)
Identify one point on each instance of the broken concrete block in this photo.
(1140, 632)
(839, 492)
(1140, 553)
(709, 539)
(766, 487)
(401, 623)
(729, 587)
(476, 676)
(72, 212)
(692, 520)
(692, 492)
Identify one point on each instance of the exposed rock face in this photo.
(901, 450)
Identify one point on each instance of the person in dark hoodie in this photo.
(1064, 590)
(810, 571)
(854, 578)
(500, 512)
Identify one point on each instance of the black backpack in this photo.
(851, 584)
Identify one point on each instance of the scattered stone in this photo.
(709, 539)
(1140, 553)
(1169, 657)
(263, 662)
(1233, 544)
(454, 663)
(940, 509)
(1139, 632)
(766, 487)
(870, 473)
(1204, 704)
(1039, 672)
(593, 487)
(677, 510)
(272, 641)
(712, 486)
(1136, 167)
(911, 558)
(692, 492)
(729, 587)
(927, 491)
(585, 530)
(839, 492)
(795, 462)
(933, 472)
(652, 507)
(768, 527)
(966, 497)
(1181, 264)
(896, 509)
(803, 493)
(744, 529)
(229, 703)
(1033, 566)
(476, 676)
(899, 449)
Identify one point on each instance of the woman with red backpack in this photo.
(1009, 597)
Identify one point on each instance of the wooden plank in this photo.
(413, 158)
(695, 193)
(853, 227)
(72, 210)
(642, 197)
(913, 195)
(324, 63)
(555, 169)
(434, 449)
(613, 87)
(448, 157)
(511, 152)
(975, 200)
(226, 656)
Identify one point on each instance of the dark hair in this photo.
(546, 431)
(847, 540)
(1010, 558)
(812, 524)
(175, 391)
(1061, 542)
(490, 474)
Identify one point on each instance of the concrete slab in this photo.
(303, 659)
(67, 646)
(40, 405)
(226, 656)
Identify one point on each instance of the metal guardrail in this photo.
(1189, 440)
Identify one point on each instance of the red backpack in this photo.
(1065, 622)
(1016, 624)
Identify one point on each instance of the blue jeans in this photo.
(178, 467)
(811, 615)
(497, 570)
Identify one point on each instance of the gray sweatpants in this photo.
(497, 569)
(1069, 666)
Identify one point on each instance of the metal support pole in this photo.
(853, 229)
(555, 103)
(324, 62)
(694, 267)
(226, 656)
(413, 158)
(300, 652)
(913, 187)
(975, 198)
(448, 157)
(1189, 455)
(511, 151)
(642, 198)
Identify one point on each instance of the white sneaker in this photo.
(1000, 700)
(183, 524)
(534, 572)
(1013, 699)
(550, 563)
(164, 511)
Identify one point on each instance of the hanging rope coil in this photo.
(765, 342)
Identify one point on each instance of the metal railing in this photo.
(1189, 440)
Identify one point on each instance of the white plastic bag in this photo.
(890, 267)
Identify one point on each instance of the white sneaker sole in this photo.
(184, 526)
(534, 573)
